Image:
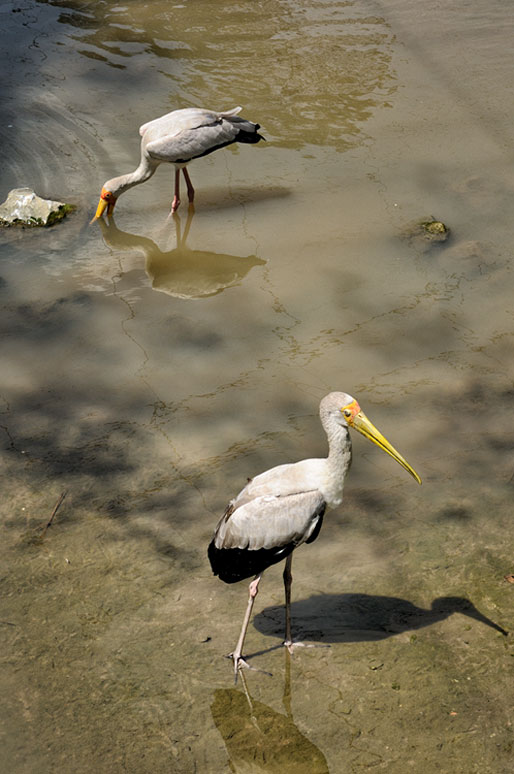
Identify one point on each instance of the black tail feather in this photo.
(250, 137)
(236, 564)
(243, 136)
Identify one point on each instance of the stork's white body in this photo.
(178, 138)
(183, 135)
(282, 508)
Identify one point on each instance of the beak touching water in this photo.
(361, 423)
(107, 202)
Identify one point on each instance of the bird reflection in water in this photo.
(182, 272)
(260, 739)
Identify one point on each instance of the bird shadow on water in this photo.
(218, 198)
(258, 738)
(182, 272)
(362, 617)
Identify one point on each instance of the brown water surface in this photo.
(151, 365)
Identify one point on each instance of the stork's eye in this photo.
(347, 413)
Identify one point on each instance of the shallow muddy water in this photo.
(150, 365)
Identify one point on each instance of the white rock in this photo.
(24, 207)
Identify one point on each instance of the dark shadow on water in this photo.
(258, 738)
(217, 198)
(455, 514)
(182, 272)
(362, 617)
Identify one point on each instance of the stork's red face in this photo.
(107, 202)
(350, 412)
(357, 419)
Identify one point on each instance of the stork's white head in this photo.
(342, 409)
(109, 194)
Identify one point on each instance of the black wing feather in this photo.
(236, 564)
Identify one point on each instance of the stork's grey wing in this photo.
(270, 522)
(188, 144)
(187, 118)
(282, 480)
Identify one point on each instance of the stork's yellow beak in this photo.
(107, 202)
(361, 423)
(102, 205)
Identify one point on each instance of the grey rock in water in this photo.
(25, 208)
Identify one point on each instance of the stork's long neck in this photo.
(338, 462)
(119, 185)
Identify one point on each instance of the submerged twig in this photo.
(57, 506)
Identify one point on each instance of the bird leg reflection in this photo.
(253, 718)
(286, 698)
(182, 238)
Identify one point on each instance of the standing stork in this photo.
(283, 507)
(178, 138)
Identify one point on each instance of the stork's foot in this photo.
(175, 204)
(290, 645)
(241, 663)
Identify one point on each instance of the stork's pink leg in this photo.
(190, 189)
(288, 580)
(239, 661)
(176, 199)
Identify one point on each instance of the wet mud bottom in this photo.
(150, 365)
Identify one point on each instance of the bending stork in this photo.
(282, 508)
(178, 138)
